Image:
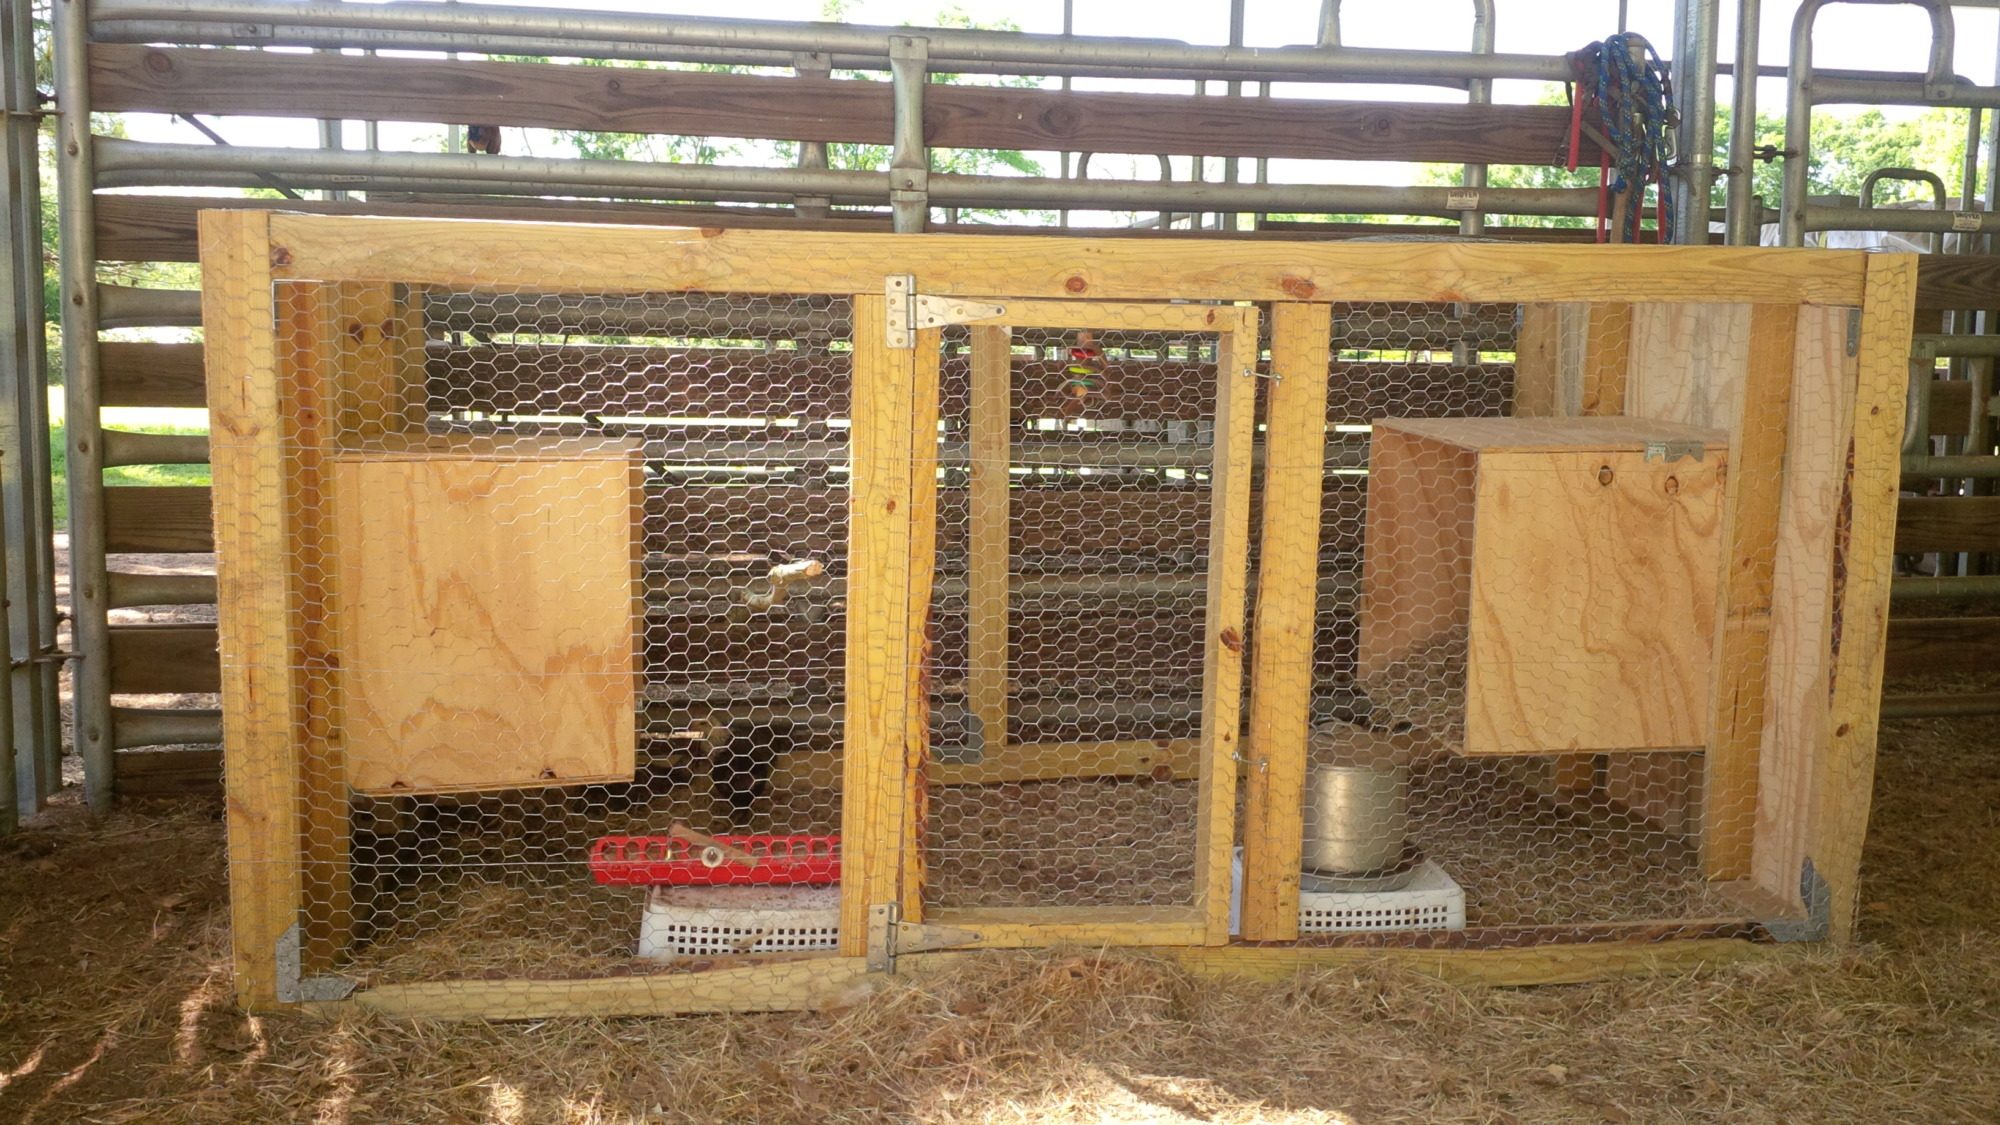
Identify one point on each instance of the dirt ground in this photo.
(115, 1007)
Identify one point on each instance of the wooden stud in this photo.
(892, 554)
(990, 555)
(1607, 350)
(1538, 361)
(1743, 611)
(435, 252)
(261, 772)
(1798, 683)
(783, 986)
(1222, 659)
(1287, 606)
(1843, 783)
(312, 351)
(1040, 927)
(1500, 968)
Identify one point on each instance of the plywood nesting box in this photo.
(1567, 566)
(488, 597)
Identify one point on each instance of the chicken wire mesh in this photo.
(1077, 545)
(571, 578)
(572, 570)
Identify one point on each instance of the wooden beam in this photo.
(144, 374)
(1927, 645)
(1947, 523)
(161, 228)
(990, 515)
(168, 773)
(1538, 361)
(428, 252)
(1287, 607)
(154, 659)
(1566, 963)
(1223, 620)
(1843, 783)
(1607, 358)
(733, 986)
(643, 100)
(891, 557)
(1958, 281)
(1743, 607)
(158, 519)
(1818, 426)
(262, 771)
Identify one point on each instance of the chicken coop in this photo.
(647, 620)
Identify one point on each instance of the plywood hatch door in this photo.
(487, 613)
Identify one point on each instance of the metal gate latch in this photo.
(910, 310)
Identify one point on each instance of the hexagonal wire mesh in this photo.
(485, 710)
(581, 578)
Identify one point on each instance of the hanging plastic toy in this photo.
(1083, 376)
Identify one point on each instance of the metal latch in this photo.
(1675, 450)
(910, 310)
(889, 936)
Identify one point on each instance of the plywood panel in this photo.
(487, 621)
(1593, 603)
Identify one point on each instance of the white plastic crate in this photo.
(1431, 901)
(717, 921)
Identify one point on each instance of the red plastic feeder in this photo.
(650, 861)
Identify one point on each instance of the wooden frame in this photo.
(1814, 726)
(1206, 920)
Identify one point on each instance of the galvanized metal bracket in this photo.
(1674, 450)
(1817, 924)
(295, 989)
(1854, 332)
(889, 937)
(910, 310)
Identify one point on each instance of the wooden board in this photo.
(158, 519)
(1818, 427)
(1844, 780)
(433, 252)
(261, 771)
(1947, 523)
(1286, 608)
(1925, 645)
(990, 555)
(634, 100)
(1743, 607)
(156, 659)
(487, 620)
(1592, 605)
(147, 374)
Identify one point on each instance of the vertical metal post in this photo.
(1694, 79)
(24, 434)
(1745, 224)
(1227, 221)
(10, 750)
(909, 160)
(812, 154)
(77, 217)
(1479, 91)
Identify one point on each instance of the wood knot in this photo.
(1162, 772)
(1299, 287)
(1673, 486)
(1231, 639)
(1076, 284)
(159, 62)
(1604, 475)
(280, 256)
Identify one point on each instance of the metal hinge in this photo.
(910, 310)
(1674, 450)
(889, 937)
(1853, 332)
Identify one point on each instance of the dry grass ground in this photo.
(114, 1007)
